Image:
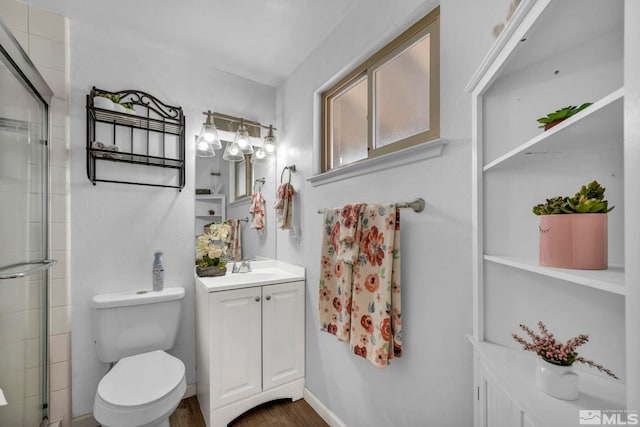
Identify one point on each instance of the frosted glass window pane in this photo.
(349, 125)
(402, 95)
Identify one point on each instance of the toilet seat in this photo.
(140, 389)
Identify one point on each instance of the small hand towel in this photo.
(349, 240)
(335, 281)
(283, 205)
(376, 324)
(256, 209)
(234, 246)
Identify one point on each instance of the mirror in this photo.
(236, 181)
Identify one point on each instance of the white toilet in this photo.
(146, 384)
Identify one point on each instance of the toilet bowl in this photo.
(140, 390)
(145, 384)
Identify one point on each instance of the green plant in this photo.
(128, 105)
(561, 114)
(590, 199)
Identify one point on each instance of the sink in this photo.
(264, 273)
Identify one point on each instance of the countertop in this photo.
(264, 272)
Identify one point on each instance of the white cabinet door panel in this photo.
(235, 345)
(283, 333)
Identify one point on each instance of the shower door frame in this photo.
(26, 70)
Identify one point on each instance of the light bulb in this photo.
(208, 136)
(269, 146)
(203, 145)
(234, 150)
(242, 141)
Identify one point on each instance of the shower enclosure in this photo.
(24, 252)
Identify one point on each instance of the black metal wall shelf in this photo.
(144, 132)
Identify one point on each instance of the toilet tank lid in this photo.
(123, 299)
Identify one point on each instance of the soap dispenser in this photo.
(158, 271)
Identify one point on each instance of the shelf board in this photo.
(597, 128)
(515, 372)
(208, 216)
(554, 33)
(610, 280)
(138, 122)
(138, 159)
(209, 196)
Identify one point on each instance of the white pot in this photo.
(102, 102)
(119, 108)
(558, 381)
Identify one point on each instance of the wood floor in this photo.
(279, 413)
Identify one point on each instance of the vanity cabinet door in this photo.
(235, 347)
(283, 333)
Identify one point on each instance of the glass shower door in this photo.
(23, 247)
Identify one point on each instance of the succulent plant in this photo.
(561, 114)
(590, 199)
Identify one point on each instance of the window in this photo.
(390, 102)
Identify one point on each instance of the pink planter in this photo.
(574, 241)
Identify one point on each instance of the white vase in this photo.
(558, 381)
(102, 102)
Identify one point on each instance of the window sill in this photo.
(366, 166)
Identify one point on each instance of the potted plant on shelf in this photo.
(574, 230)
(112, 101)
(554, 370)
(558, 116)
(211, 247)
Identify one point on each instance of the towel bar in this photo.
(417, 205)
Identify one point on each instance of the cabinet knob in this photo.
(268, 297)
(257, 298)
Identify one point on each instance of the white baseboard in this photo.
(324, 412)
(190, 391)
(55, 424)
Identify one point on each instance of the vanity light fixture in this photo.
(269, 144)
(245, 136)
(208, 140)
(232, 152)
(203, 148)
(259, 155)
(243, 140)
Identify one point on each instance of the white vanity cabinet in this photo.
(250, 342)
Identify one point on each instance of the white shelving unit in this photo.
(204, 202)
(550, 55)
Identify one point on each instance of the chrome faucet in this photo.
(245, 267)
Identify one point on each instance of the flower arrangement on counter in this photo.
(557, 353)
(211, 246)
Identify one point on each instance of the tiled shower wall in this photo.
(44, 36)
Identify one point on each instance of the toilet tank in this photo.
(134, 322)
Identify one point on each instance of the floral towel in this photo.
(335, 281)
(234, 247)
(361, 303)
(256, 209)
(376, 324)
(284, 205)
(349, 239)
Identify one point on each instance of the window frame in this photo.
(428, 25)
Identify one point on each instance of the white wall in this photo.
(432, 383)
(116, 228)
